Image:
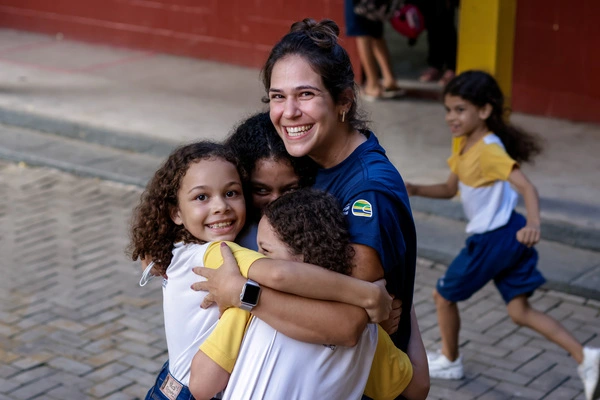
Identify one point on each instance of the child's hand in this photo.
(410, 188)
(224, 284)
(529, 235)
(391, 324)
(382, 307)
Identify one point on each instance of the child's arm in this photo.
(207, 378)
(303, 280)
(301, 318)
(530, 233)
(445, 190)
(419, 385)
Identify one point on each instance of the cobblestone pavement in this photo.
(75, 325)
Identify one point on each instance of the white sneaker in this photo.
(589, 372)
(442, 368)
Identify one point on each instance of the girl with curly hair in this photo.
(307, 226)
(194, 202)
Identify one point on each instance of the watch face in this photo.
(251, 293)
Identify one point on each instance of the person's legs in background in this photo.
(382, 55)
(373, 53)
(368, 62)
(439, 18)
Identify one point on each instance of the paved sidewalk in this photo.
(74, 324)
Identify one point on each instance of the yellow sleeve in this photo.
(391, 370)
(457, 145)
(496, 164)
(223, 344)
(243, 256)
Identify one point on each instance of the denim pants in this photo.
(168, 388)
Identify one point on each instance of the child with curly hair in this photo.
(307, 226)
(194, 201)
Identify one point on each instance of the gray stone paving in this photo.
(75, 325)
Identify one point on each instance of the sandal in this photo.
(447, 77)
(430, 75)
(392, 92)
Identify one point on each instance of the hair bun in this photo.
(323, 33)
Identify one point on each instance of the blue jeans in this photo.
(158, 392)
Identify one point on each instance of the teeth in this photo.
(297, 130)
(220, 225)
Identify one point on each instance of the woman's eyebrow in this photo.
(297, 88)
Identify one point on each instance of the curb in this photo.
(70, 167)
(553, 230)
(103, 136)
(551, 284)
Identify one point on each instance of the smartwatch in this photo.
(249, 296)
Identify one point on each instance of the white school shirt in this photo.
(186, 324)
(488, 199)
(271, 365)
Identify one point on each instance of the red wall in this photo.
(235, 31)
(557, 59)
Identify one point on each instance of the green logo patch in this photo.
(362, 208)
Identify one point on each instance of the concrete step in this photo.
(566, 268)
(76, 156)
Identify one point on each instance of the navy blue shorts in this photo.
(360, 26)
(494, 255)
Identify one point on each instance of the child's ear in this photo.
(485, 111)
(176, 216)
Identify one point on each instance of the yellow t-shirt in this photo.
(391, 370)
(483, 171)
(223, 344)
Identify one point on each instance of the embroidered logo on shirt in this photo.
(346, 209)
(362, 208)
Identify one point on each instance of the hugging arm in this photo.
(207, 378)
(304, 319)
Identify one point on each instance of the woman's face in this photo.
(302, 110)
(270, 179)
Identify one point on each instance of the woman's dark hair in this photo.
(480, 88)
(317, 43)
(310, 222)
(256, 138)
(153, 232)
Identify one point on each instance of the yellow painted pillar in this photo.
(486, 34)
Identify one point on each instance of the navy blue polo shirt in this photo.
(373, 197)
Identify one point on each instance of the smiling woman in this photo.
(310, 89)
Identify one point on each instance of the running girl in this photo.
(484, 164)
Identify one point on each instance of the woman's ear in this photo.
(485, 111)
(176, 216)
(347, 98)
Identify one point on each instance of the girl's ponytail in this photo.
(480, 88)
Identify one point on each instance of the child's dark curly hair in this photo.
(153, 232)
(310, 222)
(256, 138)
